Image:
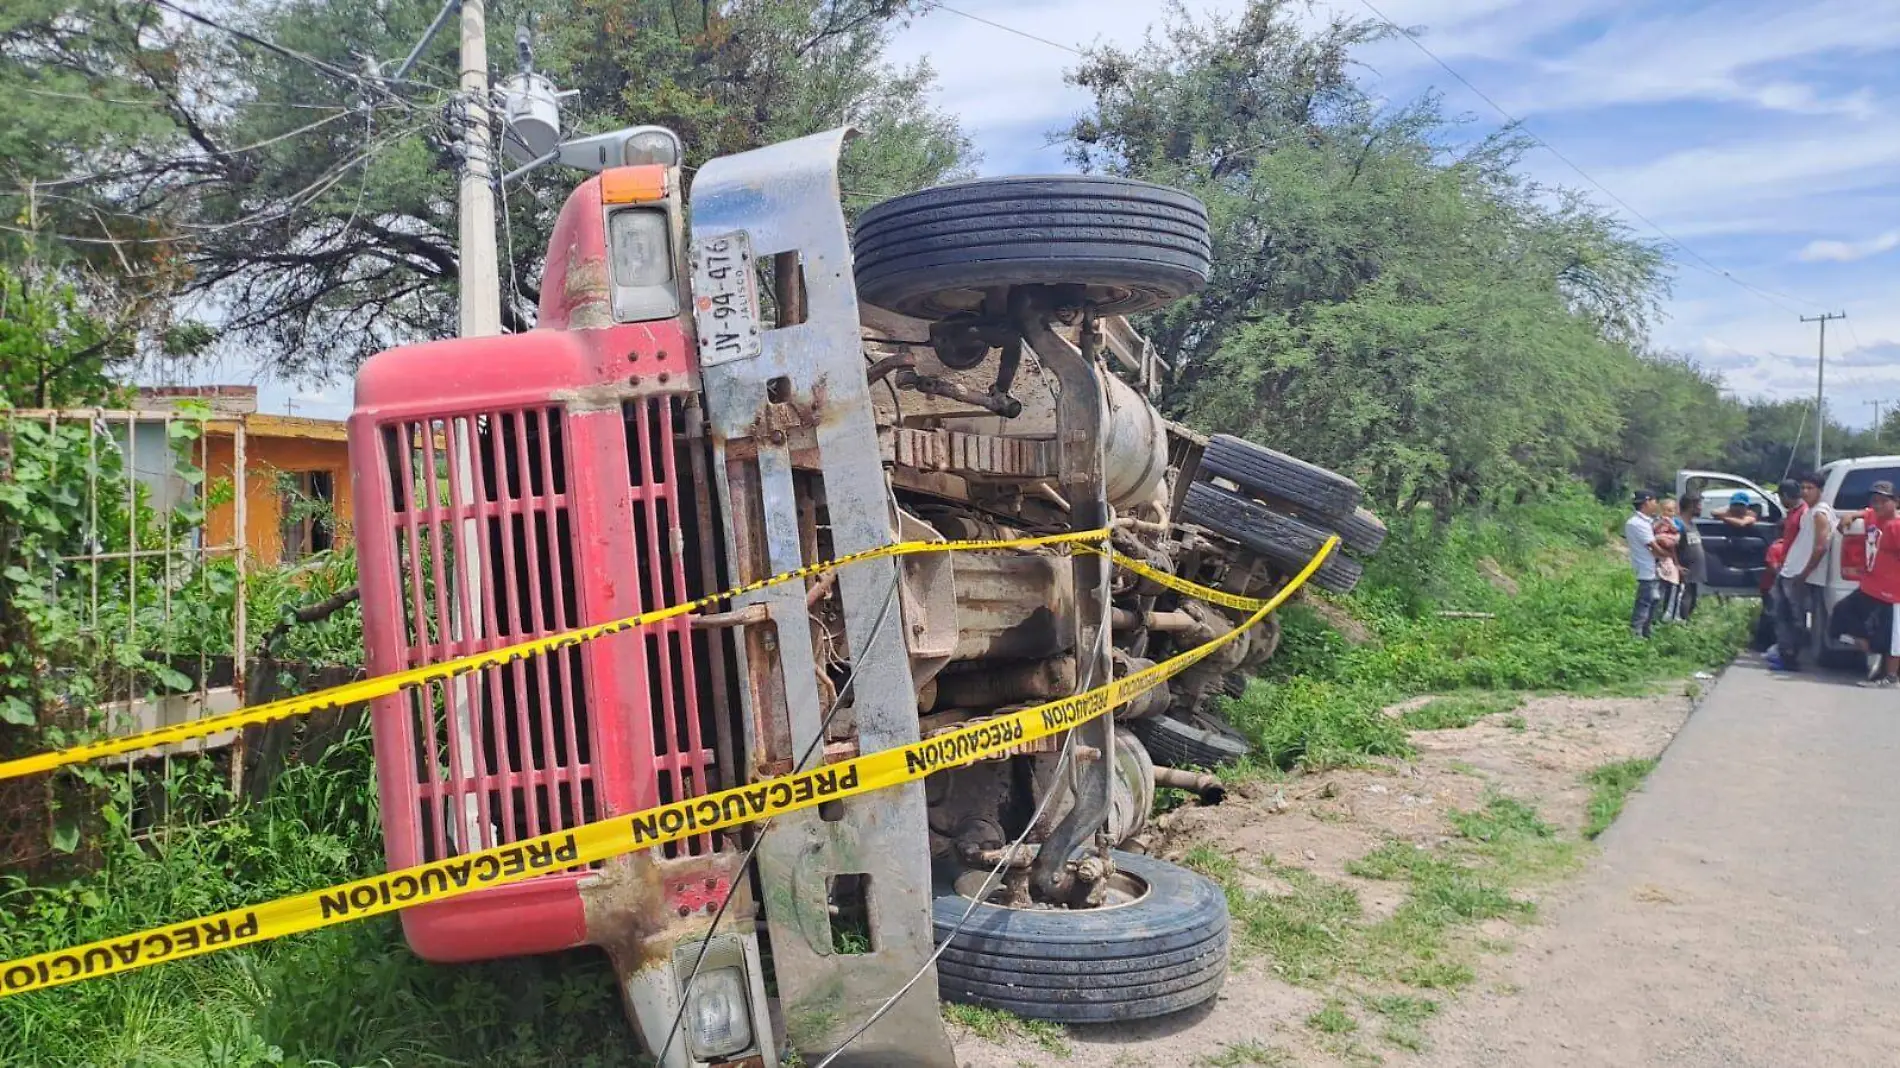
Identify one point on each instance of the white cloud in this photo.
(1730, 177)
(1008, 89)
(1718, 52)
(1849, 251)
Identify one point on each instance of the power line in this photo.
(367, 84)
(269, 46)
(83, 179)
(322, 184)
(123, 101)
(1702, 262)
(1006, 29)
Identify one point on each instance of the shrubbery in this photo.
(1542, 596)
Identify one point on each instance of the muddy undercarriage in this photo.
(984, 391)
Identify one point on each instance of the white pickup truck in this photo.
(1735, 561)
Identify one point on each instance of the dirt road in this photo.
(1745, 909)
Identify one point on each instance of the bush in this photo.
(1543, 603)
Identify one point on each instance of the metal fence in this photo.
(159, 570)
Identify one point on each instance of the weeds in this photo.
(1610, 787)
(348, 995)
(1405, 1017)
(1552, 616)
(1245, 1055)
(1333, 1019)
(995, 1024)
(1460, 710)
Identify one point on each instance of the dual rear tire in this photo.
(1160, 945)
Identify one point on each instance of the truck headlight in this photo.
(718, 1020)
(653, 145)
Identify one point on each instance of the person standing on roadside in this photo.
(1866, 615)
(1694, 568)
(1668, 568)
(1808, 533)
(1639, 531)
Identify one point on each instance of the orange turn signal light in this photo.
(641, 184)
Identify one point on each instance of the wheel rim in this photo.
(1124, 889)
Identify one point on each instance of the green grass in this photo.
(1563, 627)
(1304, 935)
(996, 1024)
(1460, 710)
(1313, 931)
(346, 995)
(1333, 1019)
(1246, 1055)
(1610, 785)
(1404, 1016)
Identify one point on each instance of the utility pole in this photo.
(480, 270)
(1877, 405)
(1820, 381)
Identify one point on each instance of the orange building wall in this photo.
(264, 457)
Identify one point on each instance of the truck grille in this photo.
(485, 542)
(486, 554)
(667, 531)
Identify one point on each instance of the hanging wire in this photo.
(1065, 761)
(745, 862)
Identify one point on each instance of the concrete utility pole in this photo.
(1877, 406)
(1820, 382)
(480, 270)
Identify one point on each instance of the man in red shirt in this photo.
(1867, 614)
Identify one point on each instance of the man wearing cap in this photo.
(1867, 614)
(1639, 531)
(1806, 534)
(1738, 514)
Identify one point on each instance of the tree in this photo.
(51, 352)
(72, 114)
(1426, 319)
(1674, 416)
(310, 199)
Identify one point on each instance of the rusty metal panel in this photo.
(973, 454)
(785, 199)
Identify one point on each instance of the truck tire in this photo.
(1162, 950)
(1287, 542)
(1176, 744)
(1360, 533)
(1132, 245)
(1275, 476)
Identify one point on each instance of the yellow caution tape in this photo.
(442, 880)
(351, 693)
(1177, 583)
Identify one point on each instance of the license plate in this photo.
(725, 299)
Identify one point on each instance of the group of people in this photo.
(1665, 551)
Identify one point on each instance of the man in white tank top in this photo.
(1797, 588)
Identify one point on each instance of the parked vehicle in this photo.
(1737, 558)
(701, 408)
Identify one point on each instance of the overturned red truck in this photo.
(701, 408)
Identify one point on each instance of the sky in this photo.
(1762, 137)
